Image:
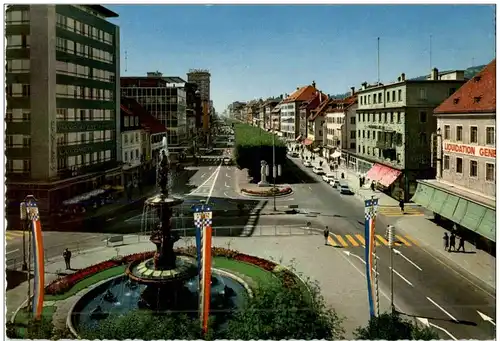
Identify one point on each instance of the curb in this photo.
(265, 197)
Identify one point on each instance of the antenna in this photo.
(126, 59)
(378, 60)
(430, 52)
(473, 61)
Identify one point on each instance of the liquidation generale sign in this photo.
(470, 150)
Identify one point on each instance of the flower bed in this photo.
(62, 285)
(267, 193)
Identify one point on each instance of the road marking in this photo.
(361, 259)
(361, 239)
(401, 276)
(225, 183)
(426, 322)
(442, 309)
(352, 240)
(486, 318)
(229, 176)
(407, 259)
(203, 175)
(8, 253)
(411, 240)
(402, 240)
(213, 183)
(225, 193)
(382, 239)
(341, 240)
(210, 168)
(310, 188)
(331, 241)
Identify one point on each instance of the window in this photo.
(423, 117)
(394, 95)
(490, 172)
(353, 120)
(459, 165)
(359, 133)
(490, 135)
(423, 93)
(399, 117)
(447, 131)
(473, 168)
(380, 97)
(400, 95)
(388, 96)
(459, 133)
(423, 138)
(473, 134)
(363, 134)
(392, 117)
(353, 134)
(446, 162)
(368, 134)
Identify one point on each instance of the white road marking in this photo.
(228, 175)
(361, 259)
(225, 184)
(407, 259)
(401, 276)
(310, 188)
(210, 168)
(426, 322)
(217, 171)
(442, 309)
(8, 253)
(373, 253)
(486, 318)
(203, 175)
(225, 193)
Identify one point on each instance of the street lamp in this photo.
(390, 239)
(276, 171)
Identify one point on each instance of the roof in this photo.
(103, 11)
(478, 95)
(126, 111)
(312, 102)
(147, 120)
(302, 94)
(320, 110)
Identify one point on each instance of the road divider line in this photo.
(382, 239)
(341, 240)
(361, 239)
(331, 241)
(13, 251)
(401, 276)
(203, 175)
(396, 251)
(411, 240)
(442, 309)
(402, 240)
(352, 240)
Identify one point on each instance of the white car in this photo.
(307, 164)
(345, 189)
(318, 170)
(335, 183)
(328, 177)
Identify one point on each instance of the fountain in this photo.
(166, 282)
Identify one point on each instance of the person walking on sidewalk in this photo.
(67, 258)
(402, 205)
(452, 242)
(446, 241)
(326, 233)
(461, 244)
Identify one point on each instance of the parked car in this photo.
(335, 183)
(328, 177)
(318, 170)
(345, 189)
(307, 164)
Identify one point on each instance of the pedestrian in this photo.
(402, 205)
(446, 241)
(321, 163)
(461, 244)
(326, 233)
(372, 186)
(67, 258)
(452, 242)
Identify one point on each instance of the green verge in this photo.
(85, 283)
(253, 271)
(23, 318)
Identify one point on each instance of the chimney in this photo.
(363, 85)
(314, 84)
(353, 91)
(298, 88)
(320, 97)
(281, 96)
(434, 74)
(403, 77)
(399, 79)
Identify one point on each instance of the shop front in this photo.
(470, 215)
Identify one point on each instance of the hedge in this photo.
(252, 145)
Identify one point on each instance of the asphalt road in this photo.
(424, 285)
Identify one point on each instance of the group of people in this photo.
(449, 242)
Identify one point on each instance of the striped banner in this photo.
(38, 258)
(371, 206)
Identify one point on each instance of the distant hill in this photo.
(469, 73)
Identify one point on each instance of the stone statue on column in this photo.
(263, 174)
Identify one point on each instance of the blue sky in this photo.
(257, 51)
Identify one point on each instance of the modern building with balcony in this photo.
(62, 117)
(394, 124)
(464, 190)
(162, 97)
(201, 77)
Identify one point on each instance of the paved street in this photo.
(423, 285)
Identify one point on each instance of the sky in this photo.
(255, 51)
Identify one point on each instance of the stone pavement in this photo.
(342, 285)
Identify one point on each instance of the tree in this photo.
(391, 326)
(278, 312)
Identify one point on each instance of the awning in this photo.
(336, 154)
(376, 172)
(307, 142)
(83, 197)
(462, 211)
(389, 177)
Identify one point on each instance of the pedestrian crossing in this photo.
(358, 240)
(11, 235)
(393, 211)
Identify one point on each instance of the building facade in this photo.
(394, 124)
(132, 149)
(268, 107)
(62, 114)
(290, 111)
(201, 78)
(464, 190)
(305, 110)
(276, 118)
(162, 97)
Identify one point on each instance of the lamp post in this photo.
(276, 172)
(390, 239)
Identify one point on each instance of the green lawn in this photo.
(85, 283)
(249, 270)
(23, 316)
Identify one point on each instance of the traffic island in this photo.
(267, 193)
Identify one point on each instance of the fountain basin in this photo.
(144, 272)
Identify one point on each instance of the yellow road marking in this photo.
(15, 233)
(341, 240)
(361, 239)
(411, 240)
(382, 240)
(352, 240)
(331, 241)
(403, 240)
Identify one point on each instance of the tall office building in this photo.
(62, 105)
(201, 78)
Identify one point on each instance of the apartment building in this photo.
(62, 115)
(394, 124)
(464, 189)
(162, 97)
(316, 99)
(290, 109)
(266, 113)
(201, 77)
(132, 152)
(276, 119)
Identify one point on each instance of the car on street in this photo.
(328, 177)
(318, 170)
(335, 183)
(345, 189)
(294, 154)
(227, 161)
(308, 164)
